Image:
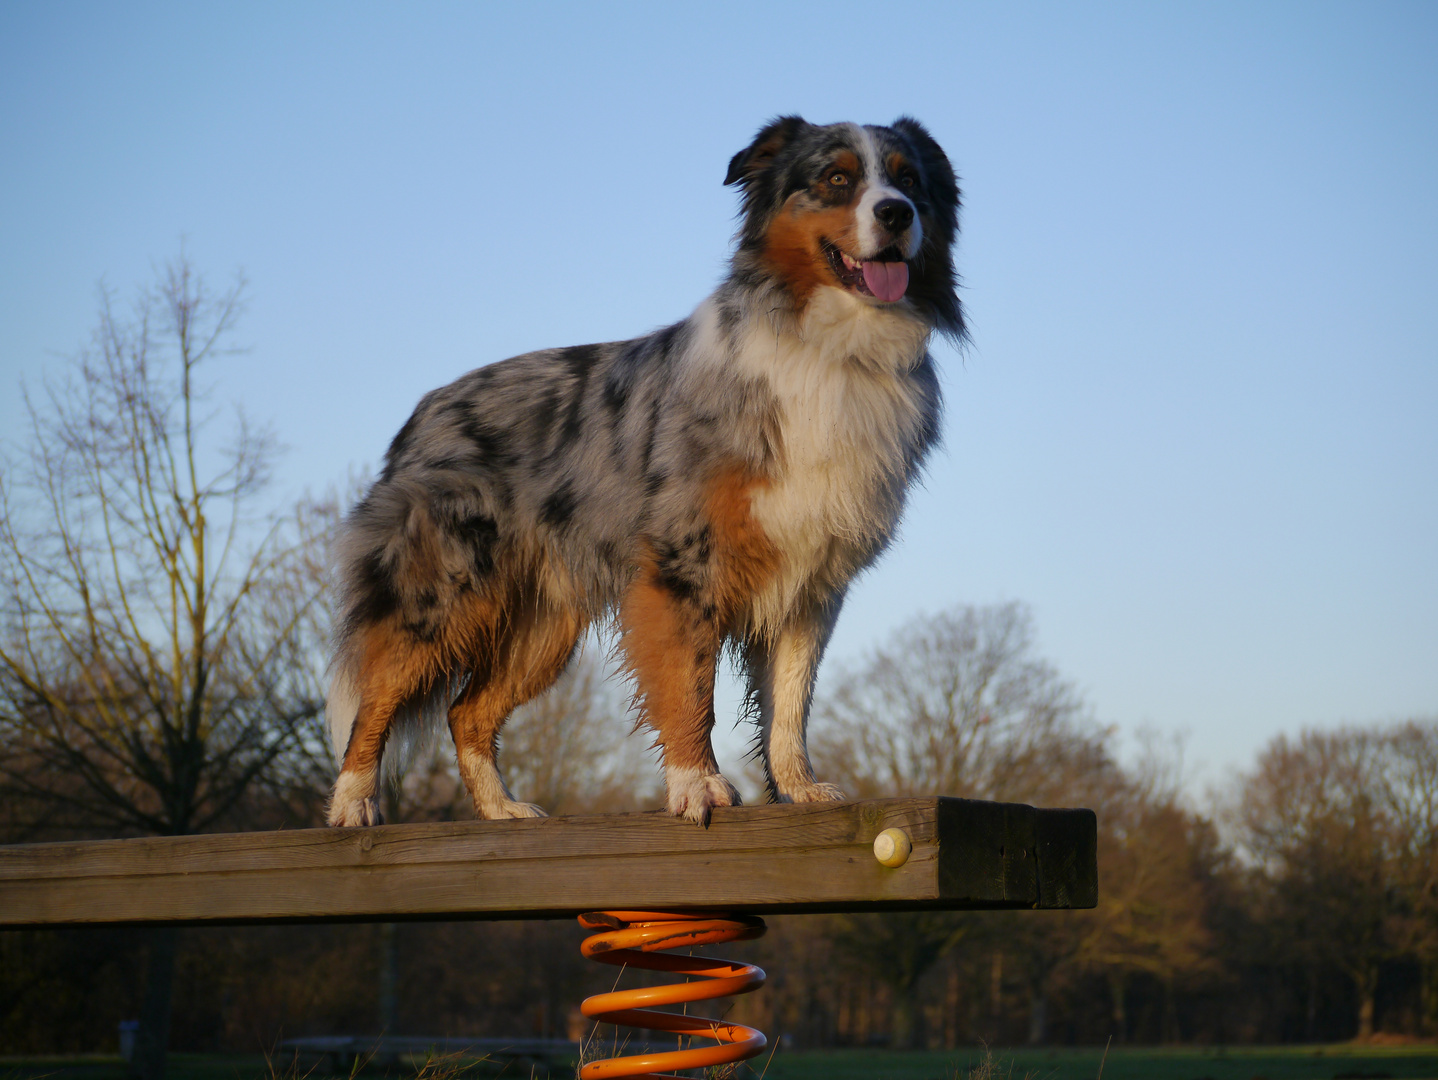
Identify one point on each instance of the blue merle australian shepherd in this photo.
(717, 482)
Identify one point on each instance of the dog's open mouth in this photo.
(884, 277)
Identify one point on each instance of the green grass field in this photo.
(1198, 1063)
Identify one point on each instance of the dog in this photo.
(715, 484)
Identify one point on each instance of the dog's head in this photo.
(872, 211)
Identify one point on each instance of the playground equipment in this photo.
(645, 882)
(639, 939)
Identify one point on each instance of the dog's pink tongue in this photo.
(887, 280)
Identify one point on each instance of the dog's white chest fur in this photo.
(847, 413)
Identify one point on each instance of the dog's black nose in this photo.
(894, 214)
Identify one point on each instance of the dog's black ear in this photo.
(755, 158)
(932, 159)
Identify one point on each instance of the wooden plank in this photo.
(761, 859)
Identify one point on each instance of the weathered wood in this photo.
(813, 857)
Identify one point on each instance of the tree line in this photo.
(162, 633)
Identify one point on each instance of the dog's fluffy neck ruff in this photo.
(839, 371)
(842, 377)
(834, 326)
(840, 328)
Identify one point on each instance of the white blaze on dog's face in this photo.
(848, 220)
(874, 216)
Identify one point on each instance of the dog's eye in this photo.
(838, 179)
(907, 180)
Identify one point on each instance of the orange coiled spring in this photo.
(633, 938)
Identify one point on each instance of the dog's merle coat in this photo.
(721, 480)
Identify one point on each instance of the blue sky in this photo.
(1197, 429)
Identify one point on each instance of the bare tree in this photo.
(958, 704)
(897, 949)
(1343, 825)
(157, 625)
(954, 704)
(1410, 791)
(1310, 817)
(1151, 918)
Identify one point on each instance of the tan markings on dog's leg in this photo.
(672, 644)
(523, 662)
(786, 681)
(671, 652)
(745, 559)
(393, 670)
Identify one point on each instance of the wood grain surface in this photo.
(761, 859)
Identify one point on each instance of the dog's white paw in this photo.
(353, 802)
(351, 812)
(509, 808)
(693, 794)
(815, 792)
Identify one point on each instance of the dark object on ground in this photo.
(345, 1055)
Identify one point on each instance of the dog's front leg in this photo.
(781, 682)
(671, 650)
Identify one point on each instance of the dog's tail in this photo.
(341, 704)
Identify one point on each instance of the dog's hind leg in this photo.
(393, 671)
(781, 683)
(521, 662)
